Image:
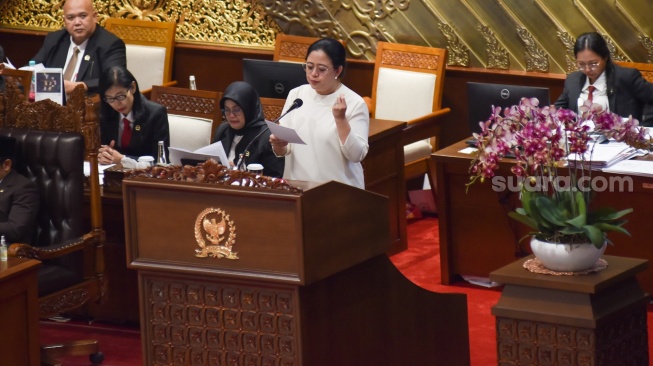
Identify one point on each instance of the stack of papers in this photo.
(601, 156)
(632, 167)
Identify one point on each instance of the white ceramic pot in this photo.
(566, 257)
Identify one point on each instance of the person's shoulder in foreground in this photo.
(19, 200)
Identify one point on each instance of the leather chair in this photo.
(150, 50)
(193, 115)
(408, 86)
(52, 144)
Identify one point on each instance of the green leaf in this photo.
(609, 214)
(580, 204)
(524, 219)
(572, 230)
(549, 210)
(578, 221)
(608, 227)
(595, 235)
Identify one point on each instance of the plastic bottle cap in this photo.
(192, 77)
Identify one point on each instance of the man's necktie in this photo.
(590, 91)
(126, 134)
(70, 69)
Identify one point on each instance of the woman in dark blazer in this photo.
(245, 121)
(130, 125)
(621, 90)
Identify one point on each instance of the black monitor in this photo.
(482, 96)
(273, 79)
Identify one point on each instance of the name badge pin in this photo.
(87, 57)
(137, 127)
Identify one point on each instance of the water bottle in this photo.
(191, 81)
(3, 250)
(32, 87)
(161, 160)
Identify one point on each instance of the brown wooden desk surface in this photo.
(19, 317)
(619, 269)
(477, 236)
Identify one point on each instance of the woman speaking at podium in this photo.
(333, 121)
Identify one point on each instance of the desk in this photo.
(19, 315)
(477, 236)
(595, 319)
(384, 174)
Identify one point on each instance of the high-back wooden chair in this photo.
(193, 115)
(24, 77)
(407, 86)
(291, 48)
(150, 49)
(272, 107)
(647, 73)
(53, 141)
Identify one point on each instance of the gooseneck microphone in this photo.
(295, 104)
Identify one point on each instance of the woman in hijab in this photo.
(243, 113)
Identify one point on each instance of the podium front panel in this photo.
(252, 233)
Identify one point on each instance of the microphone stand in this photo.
(246, 152)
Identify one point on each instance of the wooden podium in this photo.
(303, 279)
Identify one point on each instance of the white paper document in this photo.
(604, 155)
(213, 151)
(285, 133)
(632, 167)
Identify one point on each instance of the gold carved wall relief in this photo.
(514, 34)
(231, 22)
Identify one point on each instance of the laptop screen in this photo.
(482, 96)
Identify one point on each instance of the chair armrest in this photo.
(423, 127)
(148, 92)
(54, 251)
(370, 105)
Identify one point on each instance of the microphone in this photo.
(295, 104)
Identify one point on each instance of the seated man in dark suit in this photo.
(83, 49)
(19, 200)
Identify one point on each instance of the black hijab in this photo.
(247, 99)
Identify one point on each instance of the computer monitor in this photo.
(273, 79)
(482, 96)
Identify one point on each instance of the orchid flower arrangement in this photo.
(556, 207)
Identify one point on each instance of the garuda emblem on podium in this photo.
(216, 227)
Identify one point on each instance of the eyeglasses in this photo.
(591, 66)
(117, 98)
(321, 69)
(235, 111)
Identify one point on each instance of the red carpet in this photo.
(420, 263)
